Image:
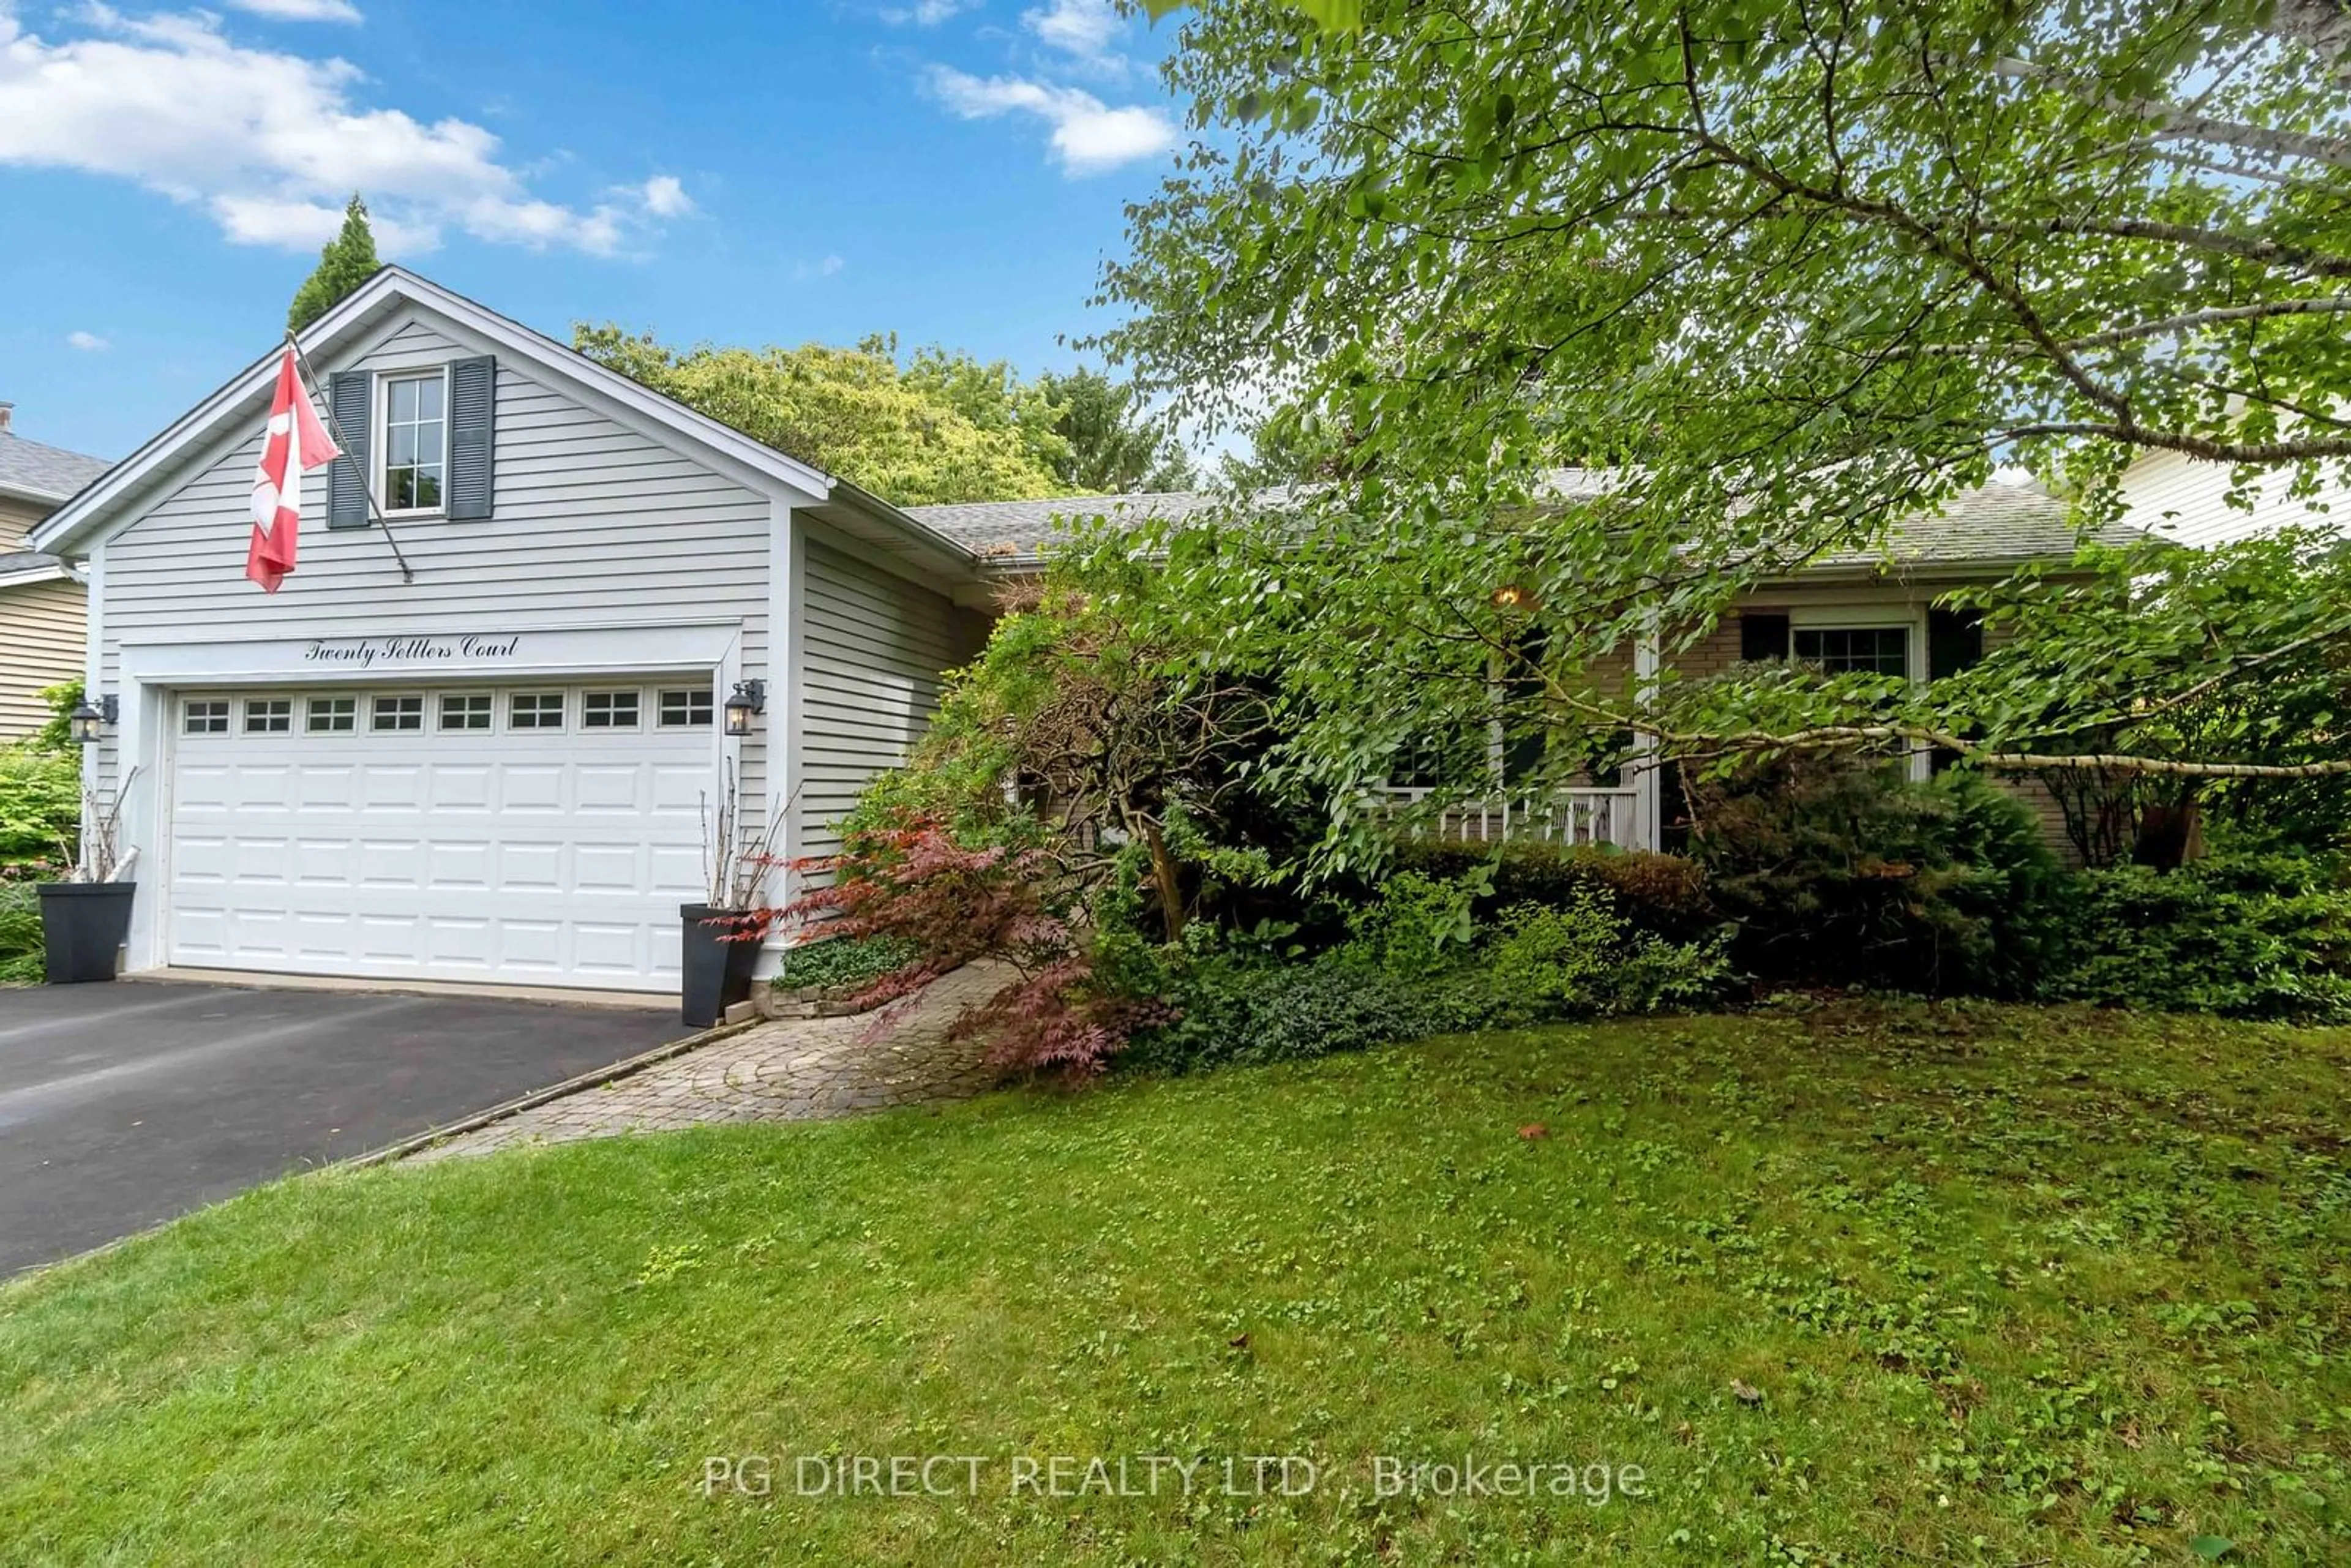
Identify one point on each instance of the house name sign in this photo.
(365, 653)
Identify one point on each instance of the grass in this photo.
(1860, 1283)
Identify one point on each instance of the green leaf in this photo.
(1333, 15)
(2212, 1548)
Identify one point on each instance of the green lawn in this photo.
(1864, 1284)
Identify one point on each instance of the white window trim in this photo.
(1910, 618)
(379, 425)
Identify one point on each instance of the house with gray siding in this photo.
(499, 766)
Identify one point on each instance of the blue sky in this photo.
(951, 169)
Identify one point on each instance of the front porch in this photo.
(1623, 815)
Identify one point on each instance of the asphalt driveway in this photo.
(124, 1104)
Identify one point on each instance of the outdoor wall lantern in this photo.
(1510, 596)
(750, 698)
(89, 723)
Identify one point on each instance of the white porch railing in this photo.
(1576, 816)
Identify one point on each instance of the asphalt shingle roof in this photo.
(1017, 530)
(1993, 522)
(48, 473)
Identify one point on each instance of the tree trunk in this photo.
(1162, 872)
(2323, 27)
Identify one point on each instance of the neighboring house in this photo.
(2185, 498)
(502, 770)
(41, 604)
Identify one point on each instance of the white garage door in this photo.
(540, 836)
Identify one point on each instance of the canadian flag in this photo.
(295, 444)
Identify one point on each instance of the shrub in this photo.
(40, 804)
(838, 961)
(1416, 926)
(907, 879)
(1840, 871)
(2249, 937)
(20, 932)
(1242, 1009)
(1410, 971)
(1657, 893)
(1582, 959)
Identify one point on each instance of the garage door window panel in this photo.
(205, 716)
(687, 708)
(536, 710)
(399, 713)
(332, 715)
(467, 711)
(609, 710)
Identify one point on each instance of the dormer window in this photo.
(415, 440)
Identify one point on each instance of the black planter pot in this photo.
(717, 973)
(83, 924)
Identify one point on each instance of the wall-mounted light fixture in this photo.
(88, 722)
(1510, 596)
(748, 701)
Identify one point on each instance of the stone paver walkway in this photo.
(790, 1070)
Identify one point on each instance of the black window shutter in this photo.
(1954, 641)
(473, 416)
(1762, 636)
(349, 398)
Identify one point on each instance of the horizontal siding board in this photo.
(2177, 496)
(873, 650)
(41, 645)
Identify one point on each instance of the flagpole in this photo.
(343, 451)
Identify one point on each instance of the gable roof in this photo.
(35, 470)
(115, 500)
(1992, 524)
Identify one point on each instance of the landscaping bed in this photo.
(1849, 1283)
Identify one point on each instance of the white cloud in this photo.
(925, 13)
(807, 271)
(1083, 29)
(87, 342)
(664, 196)
(271, 144)
(1089, 135)
(300, 10)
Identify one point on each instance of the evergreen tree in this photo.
(348, 260)
(1113, 448)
